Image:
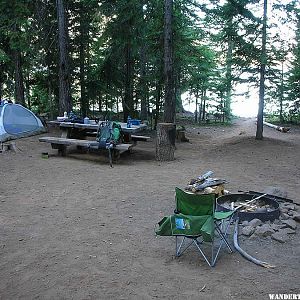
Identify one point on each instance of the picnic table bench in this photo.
(61, 144)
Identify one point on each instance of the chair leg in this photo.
(197, 243)
(223, 236)
(223, 233)
(179, 252)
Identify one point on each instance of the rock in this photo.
(264, 230)
(284, 216)
(283, 210)
(287, 231)
(277, 222)
(275, 191)
(255, 222)
(290, 223)
(276, 227)
(245, 223)
(248, 230)
(280, 237)
(289, 206)
(296, 217)
(290, 213)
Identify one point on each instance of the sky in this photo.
(241, 105)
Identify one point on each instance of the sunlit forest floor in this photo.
(74, 228)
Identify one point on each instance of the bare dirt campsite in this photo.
(74, 228)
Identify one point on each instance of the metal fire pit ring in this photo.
(248, 216)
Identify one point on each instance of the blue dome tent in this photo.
(17, 121)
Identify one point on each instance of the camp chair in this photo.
(195, 222)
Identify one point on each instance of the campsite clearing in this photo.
(75, 228)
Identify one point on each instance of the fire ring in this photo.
(267, 208)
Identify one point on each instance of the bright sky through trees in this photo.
(247, 105)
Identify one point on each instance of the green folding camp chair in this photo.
(195, 222)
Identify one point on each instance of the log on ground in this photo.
(279, 128)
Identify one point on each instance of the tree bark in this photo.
(203, 106)
(169, 107)
(260, 115)
(19, 82)
(65, 102)
(1, 88)
(165, 141)
(84, 40)
(281, 94)
(144, 91)
(177, 91)
(143, 65)
(196, 110)
(128, 96)
(227, 103)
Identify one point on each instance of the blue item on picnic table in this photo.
(135, 122)
(73, 118)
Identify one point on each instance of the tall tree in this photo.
(169, 106)
(260, 115)
(65, 103)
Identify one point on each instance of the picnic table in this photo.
(77, 133)
(79, 130)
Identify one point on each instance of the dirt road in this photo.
(74, 228)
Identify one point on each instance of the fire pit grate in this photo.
(265, 209)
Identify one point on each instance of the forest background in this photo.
(108, 57)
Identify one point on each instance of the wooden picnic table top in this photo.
(132, 129)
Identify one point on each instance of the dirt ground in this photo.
(74, 228)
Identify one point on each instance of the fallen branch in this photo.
(243, 252)
(279, 128)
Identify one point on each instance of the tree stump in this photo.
(8, 146)
(165, 141)
(180, 135)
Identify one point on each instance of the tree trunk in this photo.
(19, 83)
(260, 115)
(203, 106)
(64, 72)
(169, 107)
(50, 99)
(196, 111)
(82, 65)
(143, 85)
(143, 66)
(165, 141)
(2, 76)
(177, 91)
(27, 85)
(100, 102)
(128, 96)
(281, 94)
(157, 103)
(1, 88)
(227, 103)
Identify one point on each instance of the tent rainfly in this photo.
(17, 121)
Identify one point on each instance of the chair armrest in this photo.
(220, 215)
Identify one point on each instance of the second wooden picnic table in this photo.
(81, 131)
